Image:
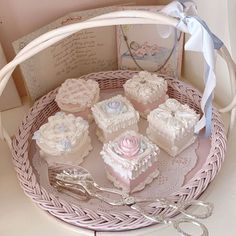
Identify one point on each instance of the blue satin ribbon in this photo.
(208, 105)
(183, 13)
(218, 44)
(208, 108)
(185, 1)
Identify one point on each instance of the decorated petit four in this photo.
(113, 116)
(146, 91)
(63, 139)
(130, 161)
(77, 96)
(171, 126)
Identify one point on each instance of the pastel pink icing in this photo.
(131, 184)
(128, 146)
(141, 107)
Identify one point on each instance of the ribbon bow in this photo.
(201, 40)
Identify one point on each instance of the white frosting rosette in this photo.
(115, 107)
(114, 114)
(145, 87)
(61, 133)
(128, 146)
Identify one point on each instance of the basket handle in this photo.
(110, 19)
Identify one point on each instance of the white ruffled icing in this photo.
(83, 93)
(61, 133)
(145, 87)
(118, 184)
(130, 167)
(173, 118)
(114, 113)
(128, 146)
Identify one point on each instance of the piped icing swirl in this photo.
(61, 133)
(145, 87)
(83, 93)
(114, 113)
(176, 116)
(128, 146)
(130, 154)
(115, 107)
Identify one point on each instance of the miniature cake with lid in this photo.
(146, 91)
(131, 161)
(77, 96)
(64, 139)
(113, 116)
(171, 126)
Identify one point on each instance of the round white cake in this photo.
(63, 139)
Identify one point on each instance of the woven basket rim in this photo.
(118, 221)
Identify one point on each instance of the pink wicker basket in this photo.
(117, 220)
(88, 217)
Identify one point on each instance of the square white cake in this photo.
(131, 161)
(113, 116)
(146, 92)
(171, 126)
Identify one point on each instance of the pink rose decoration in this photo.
(128, 146)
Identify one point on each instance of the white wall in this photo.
(220, 16)
(232, 29)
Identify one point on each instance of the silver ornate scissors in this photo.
(79, 180)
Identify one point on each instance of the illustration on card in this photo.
(153, 48)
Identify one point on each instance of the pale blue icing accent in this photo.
(143, 146)
(64, 145)
(60, 127)
(36, 135)
(115, 107)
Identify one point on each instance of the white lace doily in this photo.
(171, 177)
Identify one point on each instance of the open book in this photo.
(90, 50)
